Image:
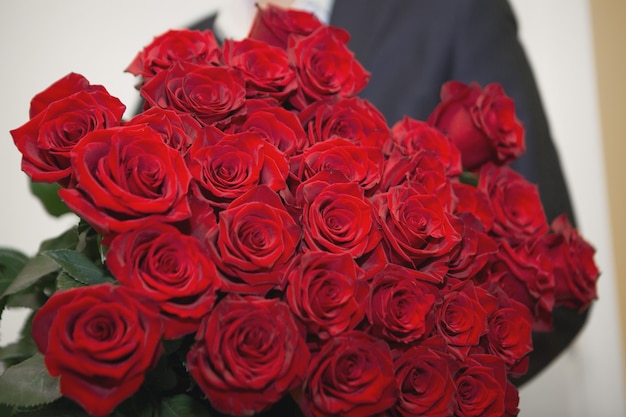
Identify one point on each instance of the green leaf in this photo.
(88, 240)
(172, 345)
(49, 197)
(141, 404)
(28, 384)
(66, 240)
(60, 408)
(32, 272)
(6, 410)
(18, 351)
(23, 349)
(28, 299)
(469, 178)
(11, 263)
(182, 406)
(162, 377)
(78, 266)
(66, 282)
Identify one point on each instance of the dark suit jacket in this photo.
(412, 47)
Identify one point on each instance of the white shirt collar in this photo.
(234, 17)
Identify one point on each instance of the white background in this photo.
(42, 41)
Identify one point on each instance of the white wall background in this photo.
(42, 41)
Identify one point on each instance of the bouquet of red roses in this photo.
(258, 238)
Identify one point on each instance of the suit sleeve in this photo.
(487, 49)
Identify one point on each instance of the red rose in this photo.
(511, 400)
(481, 387)
(326, 291)
(473, 200)
(59, 122)
(275, 124)
(413, 137)
(169, 267)
(274, 25)
(401, 304)
(575, 272)
(100, 340)
(360, 164)
(354, 119)
(211, 94)
(203, 219)
(236, 164)
(480, 122)
(325, 67)
(515, 202)
(127, 177)
(462, 318)
(473, 251)
(265, 68)
(337, 218)
(525, 273)
(194, 46)
(417, 229)
(425, 382)
(248, 354)
(510, 335)
(352, 376)
(423, 171)
(209, 136)
(178, 130)
(62, 88)
(254, 241)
